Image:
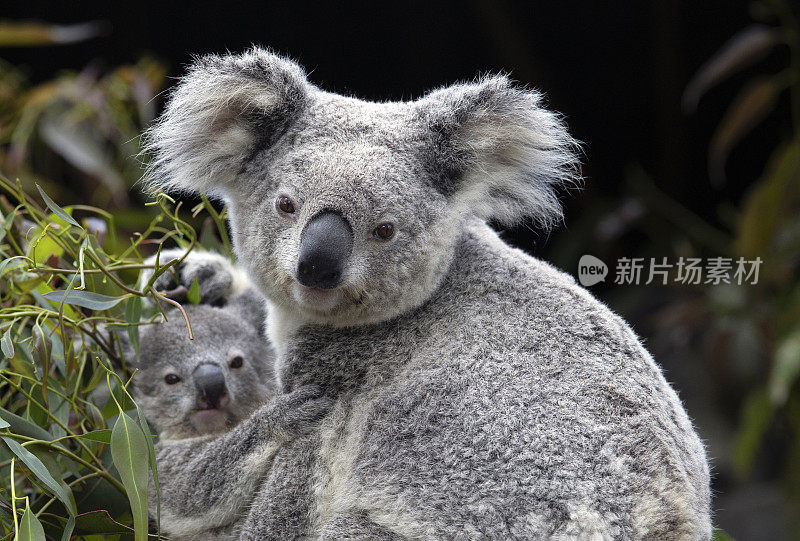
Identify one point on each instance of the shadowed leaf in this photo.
(131, 457)
(194, 292)
(61, 213)
(768, 202)
(39, 470)
(749, 108)
(99, 522)
(786, 367)
(24, 427)
(33, 33)
(742, 50)
(756, 417)
(7, 344)
(30, 529)
(103, 436)
(133, 312)
(87, 299)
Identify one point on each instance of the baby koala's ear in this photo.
(497, 152)
(223, 111)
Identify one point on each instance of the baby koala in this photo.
(220, 418)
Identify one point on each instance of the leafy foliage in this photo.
(74, 446)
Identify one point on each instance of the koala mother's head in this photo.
(348, 211)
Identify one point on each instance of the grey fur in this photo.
(210, 472)
(480, 393)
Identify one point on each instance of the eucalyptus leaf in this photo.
(8, 264)
(86, 299)
(151, 456)
(744, 49)
(24, 427)
(130, 453)
(7, 343)
(61, 213)
(194, 292)
(103, 436)
(41, 472)
(30, 529)
(133, 312)
(100, 522)
(749, 108)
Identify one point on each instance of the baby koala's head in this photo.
(207, 385)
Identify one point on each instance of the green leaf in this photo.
(786, 367)
(80, 146)
(87, 299)
(749, 108)
(7, 344)
(742, 50)
(45, 454)
(721, 535)
(757, 414)
(24, 427)
(103, 436)
(30, 529)
(99, 522)
(768, 202)
(194, 292)
(41, 472)
(34, 33)
(4, 423)
(10, 263)
(133, 313)
(61, 213)
(151, 456)
(130, 453)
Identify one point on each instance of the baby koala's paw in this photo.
(216, 276)
(299, 412)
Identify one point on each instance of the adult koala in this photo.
(479, 392)
(213, 402)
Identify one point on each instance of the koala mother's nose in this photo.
(325, 245)
(210, 383)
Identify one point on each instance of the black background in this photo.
(616, 70)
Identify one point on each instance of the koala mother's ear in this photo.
(223, 111)
(498, 153)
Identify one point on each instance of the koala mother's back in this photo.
(553, 421)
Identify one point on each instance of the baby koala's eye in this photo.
(285, 204)
(237, 362)
(384, 231)
(171, 379)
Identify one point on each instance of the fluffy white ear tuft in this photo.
(225, 109)
(500, 154)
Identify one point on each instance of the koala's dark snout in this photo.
(210, 383)
(325, 245)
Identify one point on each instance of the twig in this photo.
(179, 307)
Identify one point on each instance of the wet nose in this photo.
(210, 383)
(325, 245)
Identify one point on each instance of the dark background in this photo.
(616, 70)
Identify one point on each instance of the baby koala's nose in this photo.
(210, 383)
(325, 245)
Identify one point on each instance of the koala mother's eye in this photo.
(384, 231)
(171, 379)
(237, 362)
(285, 205)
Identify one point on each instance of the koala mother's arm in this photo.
(206, 482)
